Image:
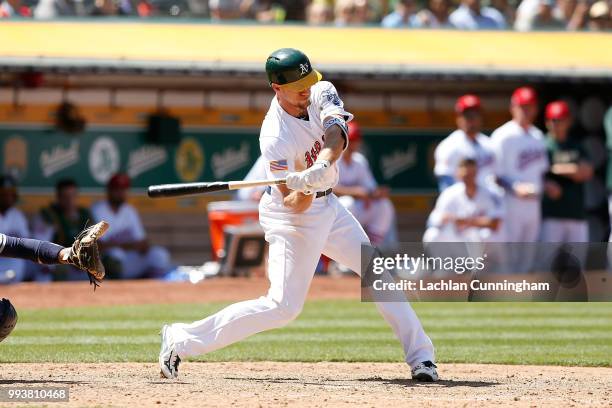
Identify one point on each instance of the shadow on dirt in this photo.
(440, 383)
(339, 382)
(45, 381)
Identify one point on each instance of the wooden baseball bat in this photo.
(182, 189)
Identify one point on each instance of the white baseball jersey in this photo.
(125, 225)
(458, 146)
(356, 173)
(456, 202)
(520, 154)
(14, 223)
(289, 144)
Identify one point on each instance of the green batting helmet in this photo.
(291, 68)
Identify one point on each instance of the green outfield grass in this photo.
(514, 333)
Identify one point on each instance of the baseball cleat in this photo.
(425, 371)
(168, 358)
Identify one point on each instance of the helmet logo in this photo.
(304, 69)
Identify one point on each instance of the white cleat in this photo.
(425, 371)
(168, 359)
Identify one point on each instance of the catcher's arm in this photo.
(85, 254)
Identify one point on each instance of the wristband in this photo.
(325, 163)
(334, 120)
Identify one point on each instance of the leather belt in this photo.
(319, 193)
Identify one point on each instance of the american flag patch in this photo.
(278, 165)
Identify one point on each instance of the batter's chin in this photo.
(303, 108)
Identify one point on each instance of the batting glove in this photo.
(297, 182)
(316, 177)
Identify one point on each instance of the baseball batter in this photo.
(302, 136)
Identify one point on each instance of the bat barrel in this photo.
(175, 190)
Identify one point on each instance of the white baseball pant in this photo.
(522, 224)
(296, 243)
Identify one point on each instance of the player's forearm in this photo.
(447, 218)
(485, 222)
(297, 201)
(578, 172)
(565, 169)
(317, 176)
(334, 144)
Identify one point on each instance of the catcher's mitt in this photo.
(84, 253)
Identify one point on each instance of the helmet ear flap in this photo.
(8, 318)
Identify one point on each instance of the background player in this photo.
(12, 222)
(358, 191)
(466, 141)
(60, 222)
(521, 161)
(564, 217)
(465, 211)
(302, 137)
(127, 244)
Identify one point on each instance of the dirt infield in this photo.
(255, 384)
(316, 385)
(73, 294)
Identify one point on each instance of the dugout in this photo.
(401, 84)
